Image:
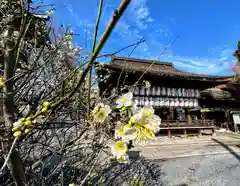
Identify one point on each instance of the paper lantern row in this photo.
(158, 91)
(165, 102)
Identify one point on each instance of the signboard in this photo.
(236, 119)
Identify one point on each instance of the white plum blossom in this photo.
(17, 124)
(100, 112)
(147, 111)
(125, 100)
(72, 184)
(126, 132)
(130, 133)
(153, 123)
(119, 151)
(142, 126)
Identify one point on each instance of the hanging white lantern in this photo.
(190, 103)
(186, 93)
(146, 102)
(141, 101)
(181, 102)
(136, 91)
(148, 91)
(192, 93)
(189, 93)
(174, 93)
(163, 92)
(153, 91)
(177, 92)
(197, 93)
(176, 102)
(167, 102)
(195, 103)
(142, 91)
(171, 102)
(186, 103)
(161, 102)
(155, 102)
(168, 92)
(151, 101)
(158, 92)
(183, 92)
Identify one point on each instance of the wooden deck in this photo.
(200, 126)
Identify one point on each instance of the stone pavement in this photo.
(197, 161)
(205, 170)
(165, 148)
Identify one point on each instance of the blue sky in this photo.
(205, 32)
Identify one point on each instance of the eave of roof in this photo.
(157, 68)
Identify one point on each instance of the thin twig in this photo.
(90, 171)
(9, 154)
(93, 48)
(158, 57)
(118, 51)
(125, 65)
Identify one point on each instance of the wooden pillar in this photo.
(171, 113)
(169, 133)
(199, 132)
(228, 118)
(185, 132)
(189, 118)
(204, 118)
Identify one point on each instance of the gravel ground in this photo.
(207, 170)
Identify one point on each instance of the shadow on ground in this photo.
(227, 148)
(115, 174)
(147, 172)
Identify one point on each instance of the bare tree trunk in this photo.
(14, 163)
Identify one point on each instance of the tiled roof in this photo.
(217, 94)
(158, 68)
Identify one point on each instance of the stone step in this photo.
(174, 148)
(205, 143)
(159, 142)
(164, 154)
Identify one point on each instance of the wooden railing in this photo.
(170, 125)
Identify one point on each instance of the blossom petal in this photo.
(119, 148)
(129, 95)
(128, 103)
(119, 105)
(100, 112)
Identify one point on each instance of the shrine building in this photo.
(187, 103)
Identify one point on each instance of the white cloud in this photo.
(142, 13)
(219, 64)
(226, 54)
(149, 20)
(201, 65)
